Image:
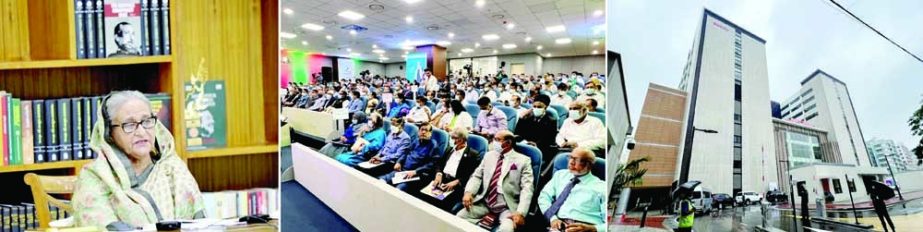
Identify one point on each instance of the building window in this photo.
(798, 114)
(737, 182)
(737, 92)
(737, 129)
(807, 92)
(737, 153)
(811, 116)
(737, 140)
(737, 164)
(836, 186)
(737, 118)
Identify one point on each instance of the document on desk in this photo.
(401, 177)
(369, 165)
(435, 192)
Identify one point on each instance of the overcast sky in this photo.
(886, 84)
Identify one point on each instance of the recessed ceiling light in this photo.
(595, 42)
(355, 54)
(490, 37)
(404, 56)
(528, 39)
(304, 42)
(510, 26)
(597, 13)
(329, 37)
(562, 41)
(477, 45)
(383, 58)
(349, 49)
(411, 1)
(555, 29)
(548, 54)
(479, 3)
(495, 51)
(459, 54)
(351, 15)
(509, 46)
(374, 45)
(311, 26)
(406, 52)
(378, 51)
(595, 52)
(451, 35)
(408, 19)
(287, 35)
(288, 11)
(467, 50)
(444, 43)
(539, 47)
(353, 32)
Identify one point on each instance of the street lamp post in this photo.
(891, 171)
(791, 192)
(684, 173)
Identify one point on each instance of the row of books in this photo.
(234, 204)
(22, 217)
(50, 130)
(118, 28)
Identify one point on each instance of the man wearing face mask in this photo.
(516, 103)
(500, 189)
(489, 120)
(399, 107)
(561, 98)
(356, 103)
(574, 199)
(471, 96)
(453, 170)
(593, 91)
(580, 130)
(397, 143)
(419, 114)
(417, 163)
(539, 127)
(322, 102)
(373, 138)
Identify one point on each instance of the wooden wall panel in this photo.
(51, 26)
(270, 20)
(14, 30)
(226, 35)
(236, 172)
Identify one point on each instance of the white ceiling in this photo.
(388, 30)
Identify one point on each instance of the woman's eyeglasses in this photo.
(130, 127)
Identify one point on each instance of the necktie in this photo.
(492, 188)
(560, 200)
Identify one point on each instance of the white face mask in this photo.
(538, 112)
(574, 114)
(395, 129)
(355, 121)
(495, 146)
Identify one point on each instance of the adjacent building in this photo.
(885, 152)
(725, 137)
(824, 101)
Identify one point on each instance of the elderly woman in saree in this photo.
(138, 179)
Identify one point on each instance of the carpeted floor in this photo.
(302, 211)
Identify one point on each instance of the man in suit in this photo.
(575, 199)
(500, 189)
(453, 170)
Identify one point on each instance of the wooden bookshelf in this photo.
(237, 40)
(46, 64)
(73, 164)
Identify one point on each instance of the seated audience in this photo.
(499, 192)
(417, 163)
(456, 118)
(419, 114)
(395, 144)
(574, 199)
(357, 126)
(539, 128)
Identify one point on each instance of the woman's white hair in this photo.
(118, 98)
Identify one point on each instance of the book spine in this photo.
(76, 129)
(85, 127)
(64, 136)
(155, 28)
(5, 134)
(101, 29)
(145, 11)
(31, 217)
(94, 116)
(78, 26)
(5, 216)
(16, 131)
(28, 152)
(38, 130)
(23, 223)
(90, 28)
(51, 131)
(165, 14)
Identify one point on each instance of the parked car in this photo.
(722, 199)
(776, 196)
(702, 200)
(747, 198)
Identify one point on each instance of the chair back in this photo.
(511, 116)
(42, 187)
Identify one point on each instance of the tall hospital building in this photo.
(726, 130)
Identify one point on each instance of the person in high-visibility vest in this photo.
(686, 215)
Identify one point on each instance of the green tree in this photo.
(628, 174)
(916, 128)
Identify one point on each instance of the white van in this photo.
(701, 200)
